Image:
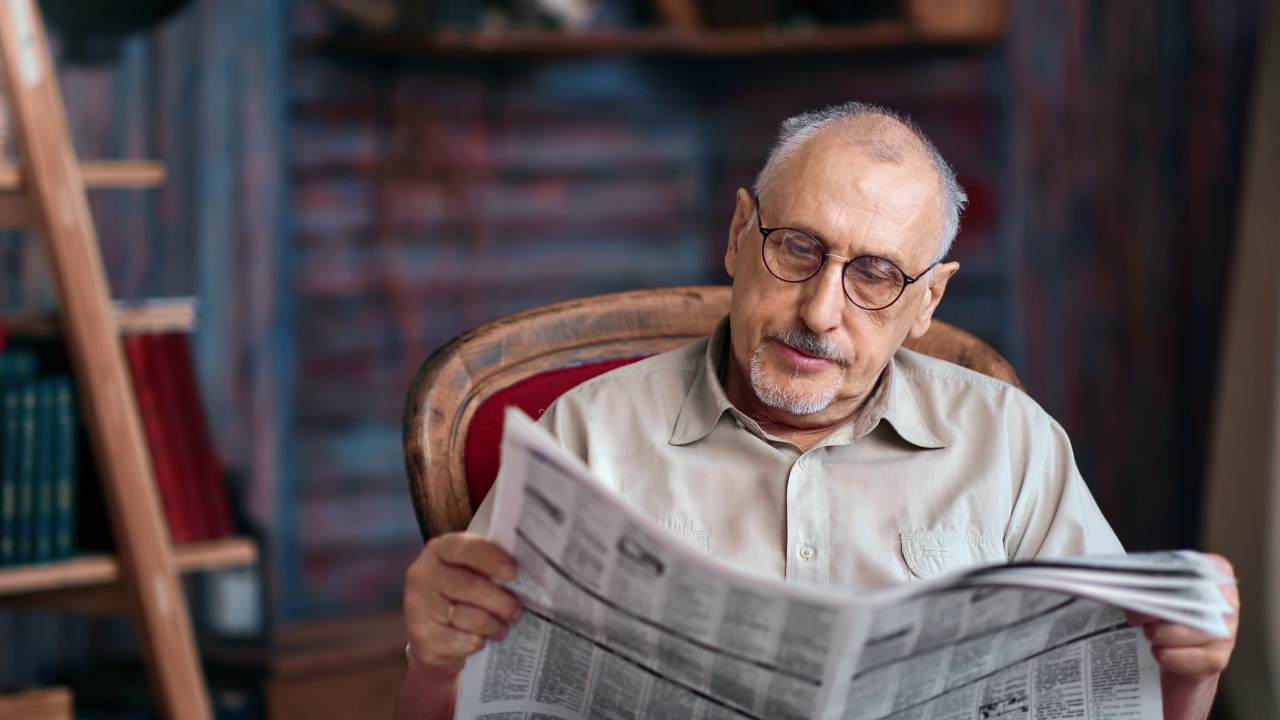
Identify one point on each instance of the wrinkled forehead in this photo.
(835, 188)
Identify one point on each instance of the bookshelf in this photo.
(663, 41)
(145, 316)
(682, 33)
(47, 193)
(40, 704)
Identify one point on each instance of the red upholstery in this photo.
(532, 395)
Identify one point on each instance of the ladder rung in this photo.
(99, 174)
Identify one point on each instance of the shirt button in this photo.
(806, 553)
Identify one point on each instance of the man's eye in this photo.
(872, 270)
(800, 247)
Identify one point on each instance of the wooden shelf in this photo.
(99, 174)
(749, 41)
(158, 315)
(92, 570)
(52, 703)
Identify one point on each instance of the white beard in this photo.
(789, 397)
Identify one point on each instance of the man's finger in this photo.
(1200, 660)
(474, 552)
(446, 646)
(477, 622)
(1170, 634)
(468, 587)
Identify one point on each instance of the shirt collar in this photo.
(706, 403)
(903, 409)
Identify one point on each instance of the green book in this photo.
(25, 452)
(64, 469)
(42, 484)
(10, 413)
(17, 365)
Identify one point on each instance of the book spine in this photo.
(208, 478)
(42, 486)
(16, 365)
(64, 474)
(25, 452)
(177, 417)
(10, 413)
(145, 385)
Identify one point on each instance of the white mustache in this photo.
(809, 343)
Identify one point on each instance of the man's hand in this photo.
(1191, 660)
(452, 606)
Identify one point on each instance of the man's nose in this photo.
(824, 301)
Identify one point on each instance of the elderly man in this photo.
(800, 440)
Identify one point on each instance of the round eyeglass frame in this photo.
(844, 272)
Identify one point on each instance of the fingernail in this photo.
(519, 613)
(507, 573)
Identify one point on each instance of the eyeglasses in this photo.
(870, 282)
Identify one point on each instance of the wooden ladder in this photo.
(51, 197)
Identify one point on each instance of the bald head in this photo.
(886, 137)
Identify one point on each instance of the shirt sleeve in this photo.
(1055, 514)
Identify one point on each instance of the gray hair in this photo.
(871, 128)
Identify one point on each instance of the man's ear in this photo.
(933, 295)
(737, 228)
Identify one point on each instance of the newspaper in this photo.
(624, 620)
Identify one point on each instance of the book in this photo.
(10, 414)
(15, 366)
(192, 489)
(65, 466)
(24, 452)
(161, 436)
(207, 484)
(42, 490)
(177, 418)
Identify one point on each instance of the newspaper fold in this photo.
(624, 620)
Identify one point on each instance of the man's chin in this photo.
(793, 396)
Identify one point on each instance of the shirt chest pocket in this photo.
(932, 553)
(696, 538)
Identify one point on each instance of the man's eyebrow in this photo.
(892, 257)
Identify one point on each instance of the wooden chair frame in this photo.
(459, 377)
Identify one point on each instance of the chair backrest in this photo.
(453, 412)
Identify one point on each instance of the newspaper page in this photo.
(1002, 652)
(624, 620)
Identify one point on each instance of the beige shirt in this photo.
(945, 468)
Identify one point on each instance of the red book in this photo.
(208, 483)
(147, 390)
(177, 416)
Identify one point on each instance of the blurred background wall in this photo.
(339, 214)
